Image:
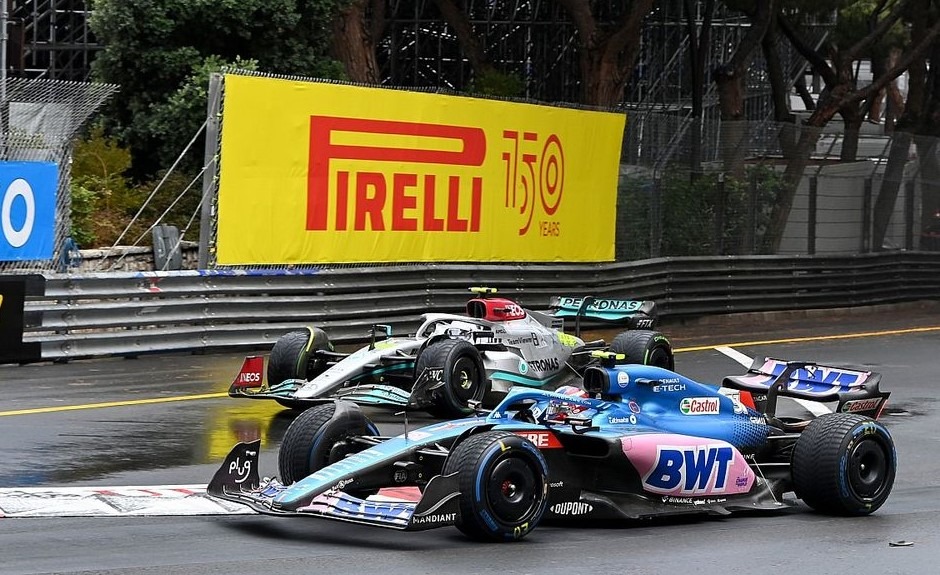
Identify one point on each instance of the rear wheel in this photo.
(844, 464)
(291, 358)
(504, 481)
(645, 347)
(316, 439)
(464, 376)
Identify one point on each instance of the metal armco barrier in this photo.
(134, 313)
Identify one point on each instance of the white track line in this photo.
(736, 355)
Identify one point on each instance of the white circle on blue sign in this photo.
(19, 188)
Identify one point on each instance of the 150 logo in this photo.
(535, 170)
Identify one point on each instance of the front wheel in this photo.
(464, 376)
(319, 437)
(503, 479)
(844, 464)
(291, 355)
(645, 347)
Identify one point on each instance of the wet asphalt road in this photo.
(164, 420)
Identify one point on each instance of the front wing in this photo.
(237, 480)
(249, 384)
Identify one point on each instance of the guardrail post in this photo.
(866, 217)
(656, 217)
(909, 215)
(811, 216)
(721, 202)
(750, 227)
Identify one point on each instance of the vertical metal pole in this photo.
(656, 217)
(866, 216)
(209, 180)
(750, 228)
(720, 214)
(4, 105)
(811, 217)
(909, 215)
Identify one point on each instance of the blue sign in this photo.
(27, 210)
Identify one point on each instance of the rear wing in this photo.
(856, 391)
(637, 314)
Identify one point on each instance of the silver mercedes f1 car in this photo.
(496, 345)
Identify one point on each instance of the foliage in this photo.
(500, 84)
(104, 201)
(853, 25)
(153, 47)
(98, 181)
(689, 212)
(173, 122)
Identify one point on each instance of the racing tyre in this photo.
(844, 464)
(503, 481)
(645, 347)
(316, 439)
(464, 376)
(290, 359)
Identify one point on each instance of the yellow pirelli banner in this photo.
(326, 173)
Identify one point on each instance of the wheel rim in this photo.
(465, 379)
(512, 490)
(342, 448)
(868, 469)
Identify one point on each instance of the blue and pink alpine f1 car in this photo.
(636, 441)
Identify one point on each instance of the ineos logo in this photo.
(18, 237)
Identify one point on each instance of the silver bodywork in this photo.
(531, 351)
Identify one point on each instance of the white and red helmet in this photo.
(573, 390)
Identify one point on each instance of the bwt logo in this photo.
(693, 470)
(415, 199)
(368, 199)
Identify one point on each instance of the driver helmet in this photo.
(562, 409)
(573, 390)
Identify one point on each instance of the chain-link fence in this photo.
(44, 117)
(773, 188)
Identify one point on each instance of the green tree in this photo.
(156, 49)
(841, 94)
(609, 44)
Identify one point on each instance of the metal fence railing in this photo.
(135, 313)
(766, 188)
(45, 116)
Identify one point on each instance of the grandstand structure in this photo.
(49, 39)
(533, 40)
